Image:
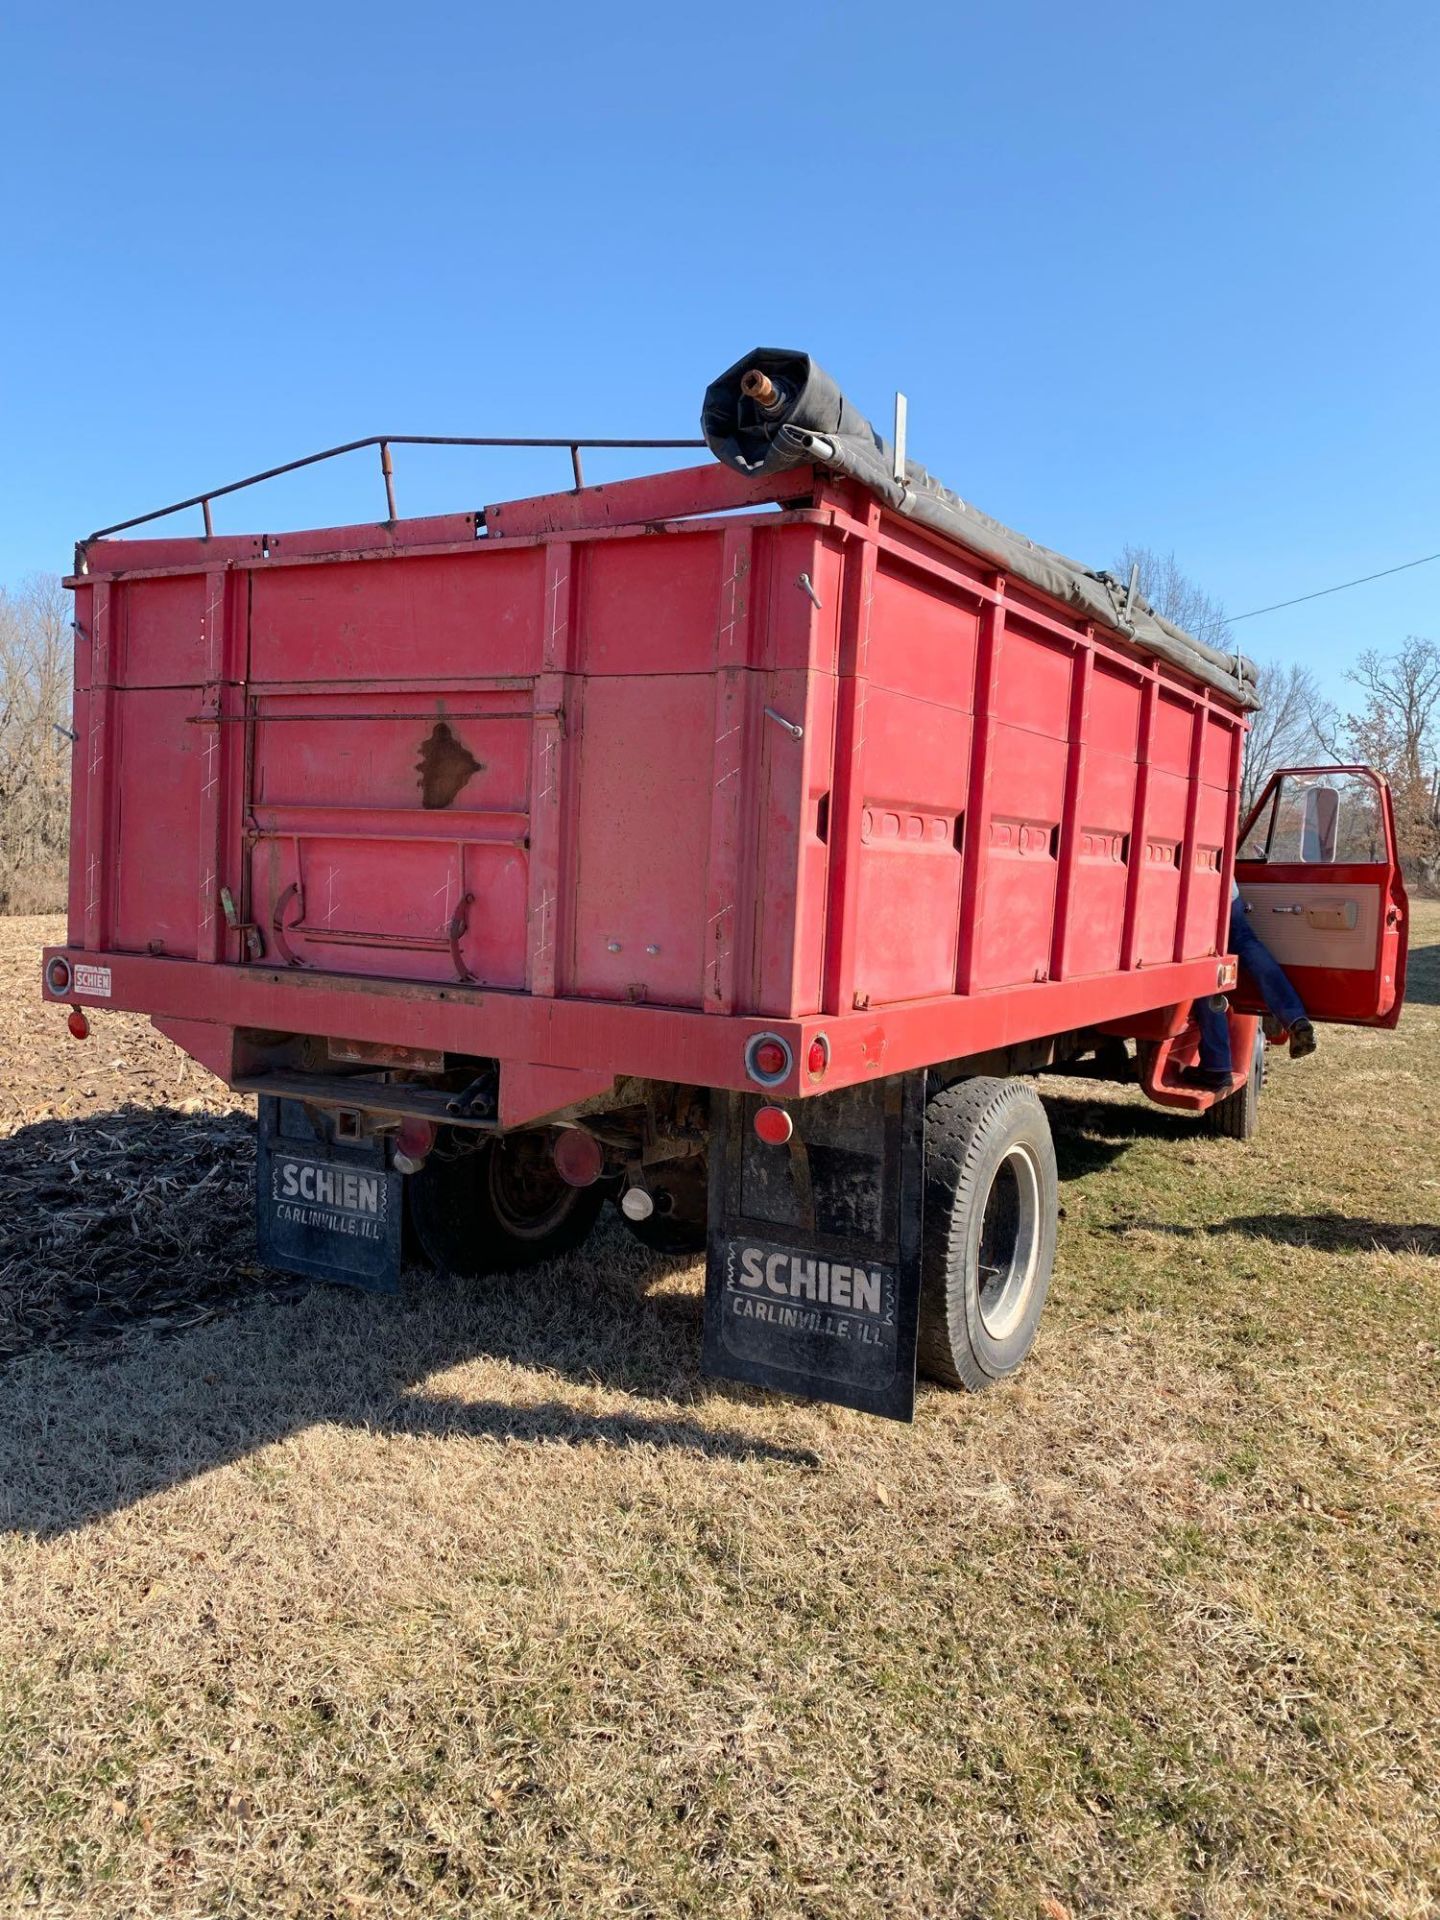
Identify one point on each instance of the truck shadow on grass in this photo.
(144, 1345)
(1091, 1134)
(1422, 977)
(1317, 1232)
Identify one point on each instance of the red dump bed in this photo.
(569, 783)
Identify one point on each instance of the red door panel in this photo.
(1319, 871)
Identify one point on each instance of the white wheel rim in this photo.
(1009, 1250)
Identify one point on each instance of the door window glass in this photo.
(1319, 819)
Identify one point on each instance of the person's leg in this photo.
(1214, 1037)
(1276, 989)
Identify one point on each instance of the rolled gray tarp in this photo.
(794, 415)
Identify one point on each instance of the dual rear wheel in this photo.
(482, 1205)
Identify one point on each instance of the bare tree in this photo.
(1396, 730)
(35, 656)
(1288, 730)
(1175, 595)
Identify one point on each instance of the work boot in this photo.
(1210, 1079)
(1302, 1039)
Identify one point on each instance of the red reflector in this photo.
(78, 1024)
(414, 1139)
(770, 1057)
(579, 1157)
(774, 1126)
(818, 1058)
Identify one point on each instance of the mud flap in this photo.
(323, 1205)
(813, 1278)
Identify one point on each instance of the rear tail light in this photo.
(413, 1142)
(57, 974)
(768, 1058)
(579, 1157)
(818, 1057)
(774, 1126)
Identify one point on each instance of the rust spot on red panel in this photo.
(444, 766)
(872, 1048)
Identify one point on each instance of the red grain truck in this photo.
(729, 843)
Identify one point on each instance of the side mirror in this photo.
(1320, 832)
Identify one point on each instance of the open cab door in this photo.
(1319, 871)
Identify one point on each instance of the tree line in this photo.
(1391, 723)
(35, 704)
(1391, 720)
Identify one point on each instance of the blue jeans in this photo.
(1268, 974)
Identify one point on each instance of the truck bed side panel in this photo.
(789, 765)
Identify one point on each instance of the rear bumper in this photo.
(604, 1038)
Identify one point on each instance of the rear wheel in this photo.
(991, 1207)
(494, 1205)
(1237, 1116)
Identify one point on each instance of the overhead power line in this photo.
(1320, 594)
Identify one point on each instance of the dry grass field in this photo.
(484, 1602)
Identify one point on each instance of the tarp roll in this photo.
(808, 421)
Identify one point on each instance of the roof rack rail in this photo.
(384, 441)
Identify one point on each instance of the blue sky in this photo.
(1159, 274)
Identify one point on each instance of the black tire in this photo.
(483, 1206)
(1237, 1116)
(680, 1222)
(991, 1212)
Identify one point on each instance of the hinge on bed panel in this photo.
(278, 923)
(456, 931)
(249, 933)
